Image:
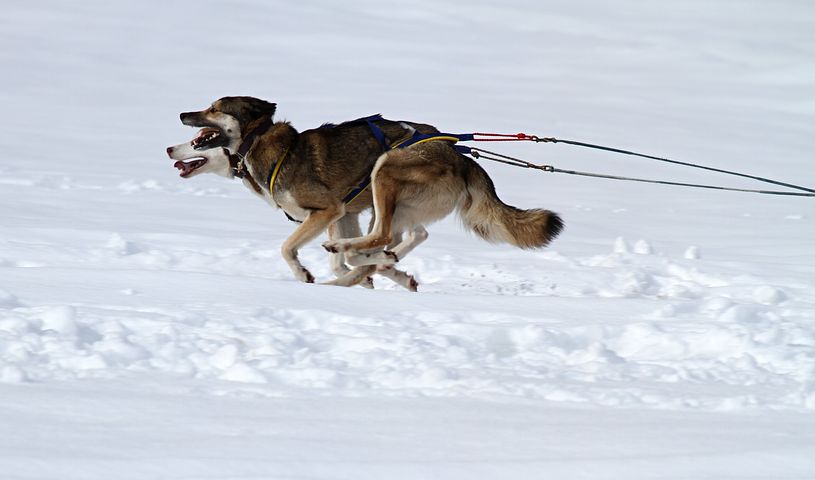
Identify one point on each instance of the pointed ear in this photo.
(265, 108)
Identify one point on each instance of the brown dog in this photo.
(319, 164)
(318, 177)
(426, 182)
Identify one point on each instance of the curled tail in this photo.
(495, 221)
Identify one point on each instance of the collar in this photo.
(239, 169)
(237, 163)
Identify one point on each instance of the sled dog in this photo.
(325, 177)
(218, 160)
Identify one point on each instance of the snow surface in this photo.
(150, 329)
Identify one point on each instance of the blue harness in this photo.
(414, 139)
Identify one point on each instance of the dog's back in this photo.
(342, 156)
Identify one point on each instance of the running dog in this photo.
(426, 182)
(319, 176)
(235, 122)
(204, 155)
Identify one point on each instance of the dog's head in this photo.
(230, 117)
(190, 161)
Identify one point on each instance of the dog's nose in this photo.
(169, 150)
(189, 118)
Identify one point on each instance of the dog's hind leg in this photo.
(379, 257)
(384, 198)
(399, 277)
(315, 223)
(346, 227)
(376, 256)
(353, 277)
(337, 260)
(414, 238)
(399, 248)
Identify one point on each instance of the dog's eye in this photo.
(213, 110)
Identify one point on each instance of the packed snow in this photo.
(150, 329)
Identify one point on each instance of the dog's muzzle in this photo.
(191, 119)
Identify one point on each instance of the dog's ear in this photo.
(245, 109)
(264, 108)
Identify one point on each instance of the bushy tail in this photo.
(495, 221)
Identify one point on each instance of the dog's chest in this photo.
(286, 201)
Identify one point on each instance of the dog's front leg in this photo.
(315, 223)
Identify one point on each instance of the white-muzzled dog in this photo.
(325, 177)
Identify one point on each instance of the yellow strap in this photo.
(277, 169)
(449, 139)
(395, 146)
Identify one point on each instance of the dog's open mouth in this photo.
(189, 166)
(207, 138)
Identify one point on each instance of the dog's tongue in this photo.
(181, 166)
(187, 167)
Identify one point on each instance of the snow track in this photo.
(624, 329)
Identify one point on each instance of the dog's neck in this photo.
(254, 130)
(262, 156)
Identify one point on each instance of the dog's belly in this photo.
(289, 205)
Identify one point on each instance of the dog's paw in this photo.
(367, 283)
(305, 276)
(334, 246)
(401, 278)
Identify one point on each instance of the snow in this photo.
(150, 329)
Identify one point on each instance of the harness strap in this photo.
(276, 169)
(239, 169)
(378, 133)
(354, 193)
(418, 138)
(380, 136)
(270, 180)
(415, 138)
